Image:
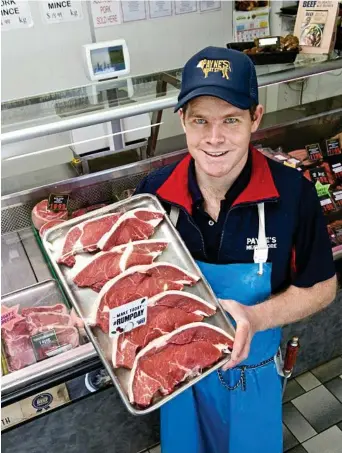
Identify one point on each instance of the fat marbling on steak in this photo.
(166, 312)
(104, 266)
(173, 358)
(135, 283)
(134, 225)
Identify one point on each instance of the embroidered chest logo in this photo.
(222, 66)
(251, 243)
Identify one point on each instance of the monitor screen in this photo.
(107, 60)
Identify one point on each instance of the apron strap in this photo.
(174, 214)
(261, 250)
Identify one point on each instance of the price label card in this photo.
(319, 174)
(43, 343)
(128, 317)
(333, 147)
(314, 151)
(337, 195)
(322, 189)
(58, 202)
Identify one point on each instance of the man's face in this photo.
(218, 134)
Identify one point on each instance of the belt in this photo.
(242, 381)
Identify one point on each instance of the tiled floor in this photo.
(312, 411)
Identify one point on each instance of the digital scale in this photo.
(108, 63)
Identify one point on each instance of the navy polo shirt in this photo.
(212, 230)
(298, 241)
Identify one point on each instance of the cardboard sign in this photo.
(316, 25)
(62, 11)
(128, 317)
(314, 152)
(319, 174)
(15, 14)
(58, 202)
(333, 147)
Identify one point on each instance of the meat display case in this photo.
(41, 117)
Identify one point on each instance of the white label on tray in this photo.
(128, 317)
(325, 202)
(280, 157)
(337, 169)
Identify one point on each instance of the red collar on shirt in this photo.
(260, 187)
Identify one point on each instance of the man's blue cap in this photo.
(223, 73)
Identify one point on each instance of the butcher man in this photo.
(256, 230)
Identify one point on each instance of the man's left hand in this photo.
(245, 329)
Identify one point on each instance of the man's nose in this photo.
(215, 135)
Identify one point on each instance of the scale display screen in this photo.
(107, 60)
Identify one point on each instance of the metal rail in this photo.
(287, 75)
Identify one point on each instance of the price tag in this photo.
(319, 174)
(58, 202)
(128, 317)
(326, 204)
(43, 343)
(333, 147)
(267, 42)
(322, 190)
(314, 151)
(338, 198)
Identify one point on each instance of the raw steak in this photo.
(58, 308)
(41, 215)
(83, 211)
(134, 225)
(17, 330)
(166, 312)
(174, 358)
(48, 225)
(106, 265)
(137, 282)
(84, 237)
(36, 321)
(18, 346)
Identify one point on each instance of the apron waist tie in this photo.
(242, 381)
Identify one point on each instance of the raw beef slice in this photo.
(174, 358)
(18, 346)
(58, 308)
(84, 237)
(135, 283)
(107, 265)
(48, 225)
(41, 214)
(166, 312)
(134, 225)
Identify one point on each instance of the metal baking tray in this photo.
(47, 293)
(83, 298)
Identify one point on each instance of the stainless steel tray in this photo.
(42, 293)
(83, 298)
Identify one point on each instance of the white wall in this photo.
(48, 57)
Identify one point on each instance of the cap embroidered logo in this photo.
(208, 66)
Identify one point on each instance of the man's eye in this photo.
(231, 120)
(200, 121)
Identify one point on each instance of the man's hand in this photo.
(245, 329)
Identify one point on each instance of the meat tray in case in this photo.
(36, 333)
(84, 299)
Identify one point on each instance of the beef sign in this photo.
(174, 358)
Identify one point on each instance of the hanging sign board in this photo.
(15, 14)
(64, 11)
(105, 13)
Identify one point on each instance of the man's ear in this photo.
(182, 118)
(259, 112)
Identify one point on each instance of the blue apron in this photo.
(240, 410)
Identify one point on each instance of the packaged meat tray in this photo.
(36, 325)
(129, 254)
